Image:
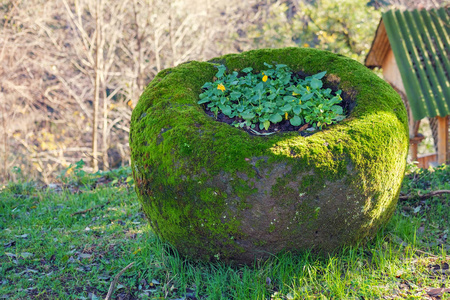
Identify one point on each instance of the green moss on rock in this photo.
(213, 190)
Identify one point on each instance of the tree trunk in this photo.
(105, 131)
(5, 139)
(96, 91)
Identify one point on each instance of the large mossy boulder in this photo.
(216, 192)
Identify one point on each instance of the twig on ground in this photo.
(425, 253)
(116, 278)
(425, 196)
(89, 209)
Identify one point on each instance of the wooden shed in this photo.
(413, 50)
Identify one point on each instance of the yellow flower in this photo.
(221, 87)
(264, 78)
(286, 115)
(306, 45)
(294, 94)
(307, 87)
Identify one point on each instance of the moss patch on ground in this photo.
(214, 191)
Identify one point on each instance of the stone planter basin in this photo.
(216, 192)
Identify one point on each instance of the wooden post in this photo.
(413, 145)
(442, 139)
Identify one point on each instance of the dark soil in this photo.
(307, 129)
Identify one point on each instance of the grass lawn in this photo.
(68, 241)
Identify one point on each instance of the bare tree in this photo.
(98, 30)
(72, 70)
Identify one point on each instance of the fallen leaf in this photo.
(399, 241)
(92, 296)
(437, 292)
(23, 236)
(303, 127)
(421, 230)
(85, 255)
(26, 254)
(28, 271)
(399, 274)
(9, 244)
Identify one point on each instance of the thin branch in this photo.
(116, 278)
(425, 196)
(89, 209)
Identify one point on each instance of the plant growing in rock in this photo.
(213, 191)
(270, 96)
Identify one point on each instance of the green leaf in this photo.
(261, 126)
(207, 85)
(316, 83)
(306, 97)
(247, 115)
(266, 124)
(259, 86)
(254, 99)
(271, 96)
(289, 98)
(235, 95)
(337, 109)
(204, 100)
(296, 121)
(297, 90)
(275, 118)
(226, 109)
(286, 108)
(297, 109)
(221, 71)
(319, 75)
(247, 70)
(334, 100)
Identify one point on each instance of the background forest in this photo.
(71, 71)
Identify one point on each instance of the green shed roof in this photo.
(420, 43)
